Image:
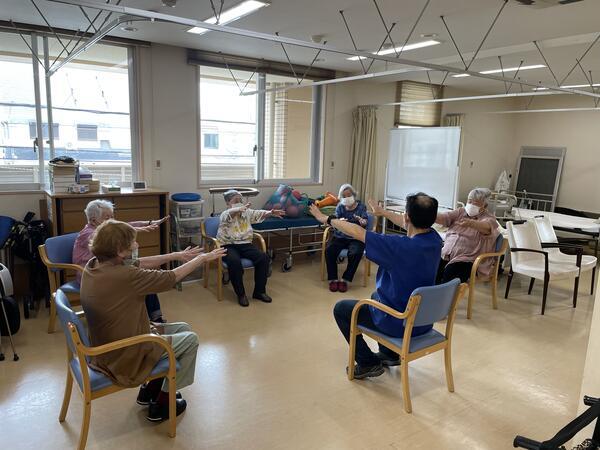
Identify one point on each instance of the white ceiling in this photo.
(563, 31)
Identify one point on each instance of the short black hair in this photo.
(421, 209)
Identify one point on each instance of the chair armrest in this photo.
(261, 240)
(386, 309)
(546, 264)
(213, 241)
(326, 233)
(73, 267)
(127, 342)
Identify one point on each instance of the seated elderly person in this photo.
(98, 211)
(472, 230)
(235, 234)
(113, 289)
(405, 263)
(353, 211)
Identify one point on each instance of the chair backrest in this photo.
(211, 226)
(524, 235)
(435, 302)
(545, 229)
(65, 315)
(499, 242)
(59, 249)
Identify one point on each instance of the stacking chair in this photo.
(500, 249)
(371, 223)
(549, 240)
(210, 226)
(426, 305)
(93, 384)
(56, 254)
(529, 259)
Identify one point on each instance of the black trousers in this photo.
(447, 272)
(235, 253)
(355, 253)
(153, 306)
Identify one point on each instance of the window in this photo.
(272, 136)
(211, 141)
(87, 132)
(33, 130)
(420, 115)
(90, 100)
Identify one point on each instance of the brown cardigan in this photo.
(112, 297)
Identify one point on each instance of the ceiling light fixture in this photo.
(232, 14)
(404, 48)
(572, 86)
(507, 70)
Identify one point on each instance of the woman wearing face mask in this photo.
(235, 234)
(472, 230)
(353, 211)
(113, 287)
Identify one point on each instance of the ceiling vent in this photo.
(540, 4)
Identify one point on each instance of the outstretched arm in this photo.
(394, 217)
(354, 231)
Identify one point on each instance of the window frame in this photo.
(135, 127)
(317, 141)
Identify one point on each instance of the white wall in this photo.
(579, 132)
(17, 205)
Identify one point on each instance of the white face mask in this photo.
(132, 259)
(347, 201)
(471, 209)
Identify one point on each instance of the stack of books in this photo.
(62, 176)
(87, 178)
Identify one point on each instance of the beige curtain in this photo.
(363, 150)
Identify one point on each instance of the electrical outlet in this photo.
(157, 164)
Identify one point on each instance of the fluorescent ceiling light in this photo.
(403, 48)
(506, 70)
(232, 14)
(573, 86)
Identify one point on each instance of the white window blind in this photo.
(421, 115)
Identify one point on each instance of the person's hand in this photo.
(188, 254)
(159, 221)
(317, 214)
(277, 213)
(362, 222)
(466, 222)
(376, 209)
(211, 256)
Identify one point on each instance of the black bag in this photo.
(12, 314)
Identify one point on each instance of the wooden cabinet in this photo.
(65, 212)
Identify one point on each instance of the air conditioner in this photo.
(540, 4)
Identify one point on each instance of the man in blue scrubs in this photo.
(405, 263)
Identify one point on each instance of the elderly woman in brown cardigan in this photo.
(113, 288)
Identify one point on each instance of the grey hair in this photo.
(228, 195)
(480, 194)
(93, 210)
(345, 186)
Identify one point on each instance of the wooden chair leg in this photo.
(66, 398)
(52, 320)
(323, 263)
(85, 424)
(471, 298)
(494, 282)
(365, 271)
(575, 290)
(172, 407)
(448, 364)
(219, 281)
(351, 355)
(593, 281)
(508, 282)
(531, 282)
(545, 295)
(405, 387)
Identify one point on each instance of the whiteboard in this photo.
(423, 160)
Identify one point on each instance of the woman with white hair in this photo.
(472, 230)
(99, 211)
(353, 211)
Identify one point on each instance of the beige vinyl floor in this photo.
(272, 376)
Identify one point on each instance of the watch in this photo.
(150, 222)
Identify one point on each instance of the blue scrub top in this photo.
(405, 263)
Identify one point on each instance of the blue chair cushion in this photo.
(186, 197)
(417, 343)
(246, 264)
(71, 287)
(100, 381)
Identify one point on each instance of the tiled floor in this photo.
(272, 377)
